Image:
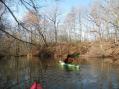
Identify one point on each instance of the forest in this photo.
(31, 28)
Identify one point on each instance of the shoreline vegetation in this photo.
(48, 33)
(94, 49)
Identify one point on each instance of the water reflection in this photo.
(19, 73)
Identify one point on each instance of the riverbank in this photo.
(86, 49)
(103, 49)
(94, 49)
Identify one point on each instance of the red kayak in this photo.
(35, 85)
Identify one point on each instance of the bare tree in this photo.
(53, 17)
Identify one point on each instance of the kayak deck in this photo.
(36, 85)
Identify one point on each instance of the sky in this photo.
(72, 3)
(65, 5)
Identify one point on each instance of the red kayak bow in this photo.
(35, 85)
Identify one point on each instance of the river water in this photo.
(20, 73)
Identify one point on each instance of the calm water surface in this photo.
(19, 73)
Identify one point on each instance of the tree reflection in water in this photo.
(19, 73)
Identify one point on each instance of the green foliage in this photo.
(74, 55)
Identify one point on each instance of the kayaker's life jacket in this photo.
(68, 60)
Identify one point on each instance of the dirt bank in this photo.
(103, 49)
(86, 49)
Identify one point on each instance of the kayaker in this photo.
(69, 59)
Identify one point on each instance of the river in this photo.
(20, 73)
